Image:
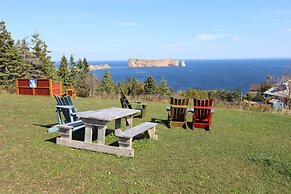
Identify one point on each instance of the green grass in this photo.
(245, 152)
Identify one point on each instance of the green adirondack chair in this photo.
(138, 105)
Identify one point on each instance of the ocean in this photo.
(202, 74)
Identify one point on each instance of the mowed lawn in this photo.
(245, 152)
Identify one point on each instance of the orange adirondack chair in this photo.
(177, 112)
(70, 91)
(202, 115)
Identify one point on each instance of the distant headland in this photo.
(153, 63)
(96, 67)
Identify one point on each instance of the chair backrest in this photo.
(178, 109)
(202, 113)
(179, 101)
(66, 101)
(124, 102)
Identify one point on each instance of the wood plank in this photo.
(98, 148)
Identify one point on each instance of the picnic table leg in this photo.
(88, 133)
(101, 135)
(117, 123)
(118, 126)
(128, 121)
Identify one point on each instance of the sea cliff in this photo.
(153, 63)
(96, 67)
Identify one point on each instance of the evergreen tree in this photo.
(107, 84)
(29, 63)
(150, 85)
(10, 67)
(163, 88)
(73, 72)
(63, 71)
(80, 68)
(41, 52)
(85, 66)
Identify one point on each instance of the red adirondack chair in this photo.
(202, 115)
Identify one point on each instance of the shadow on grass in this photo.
(166, 123)
(45, 126)
(160, 121)
(80, 134)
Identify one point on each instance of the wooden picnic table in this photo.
(99, 119)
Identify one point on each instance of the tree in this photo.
(41, 52)
(81, 70)
(150, 85)
(73, 74)
(88, 86)
(29, 63)
(10, 67)
(63, 71)
(163, 88)
(107, 84)
(131, 86)
(85, 66)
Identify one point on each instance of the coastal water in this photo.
(202, 74)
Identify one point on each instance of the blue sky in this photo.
(154, 29)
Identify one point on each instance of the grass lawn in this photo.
(245, 152)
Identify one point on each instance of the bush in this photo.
(257, 107)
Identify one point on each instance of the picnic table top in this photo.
(108, 114)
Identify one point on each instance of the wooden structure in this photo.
(66, 108)
(202, 115)
(177, 112)
(38, 87)
(138, 105)
(99, 120)
(70, 91)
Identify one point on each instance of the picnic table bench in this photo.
(125, 137)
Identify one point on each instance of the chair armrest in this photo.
(65, 106)
(134, 101)
(179, 106)
(190, 110)
(137, 102)
(203, 107)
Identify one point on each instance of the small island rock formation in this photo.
(96, 67)
(153, 63)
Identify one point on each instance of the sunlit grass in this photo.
(243, 152)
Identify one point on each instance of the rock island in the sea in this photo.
(96, 67)
(153, 63)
